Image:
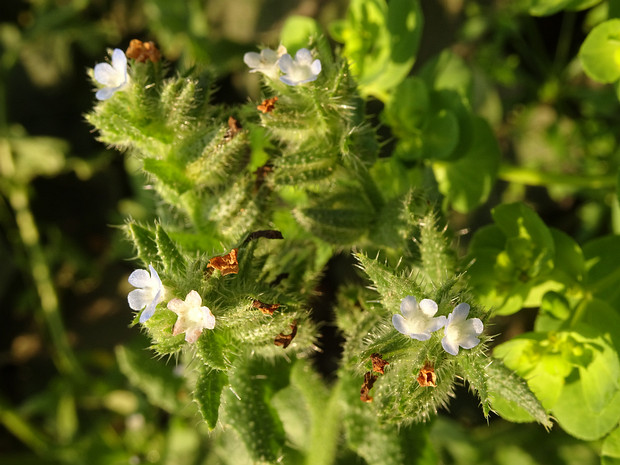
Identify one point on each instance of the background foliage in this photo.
(504, 105)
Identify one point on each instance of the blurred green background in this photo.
(67, 391)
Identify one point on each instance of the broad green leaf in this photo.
(599, 380)
(600, 52)
(381, 42)
(467, 182)
(407, 107)
(297, 31)
(611, 446)
(208, 392)
(441, 136)
(576, 418)
(553, 313)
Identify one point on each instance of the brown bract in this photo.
(268, 105)
(267, 309)
(234, 128)
(378, 364)
(226, 264)
(143, 51)
(369, 380)
(285, 339)
(427, 376)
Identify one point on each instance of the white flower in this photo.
(193, 317)
(149, 293)
(114, 77)
(300, 70)
(265, 62)
(417, 320)
(460, 331)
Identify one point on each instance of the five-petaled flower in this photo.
(265, 62)
(417, 320)
(149, 293)
(113, 76)
(192, 316)
(459, 331)
(300, 70)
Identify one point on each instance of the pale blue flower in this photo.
(417, 320)
(459, 331)
(265, 62)
(300, 70)
(113, 76)
(149, 293)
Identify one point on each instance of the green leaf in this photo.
(145, 243)
(155, 379)
(248, 408)
(600, 52)
(170, 256)
(576, 418)
(381, 42)
(209, 349)
(603, 276)
(441, 136)
(506, 388)
(208, 392)
(467, 182)
(406, 109)
(168, 173)
(611, 445)
(297, 31)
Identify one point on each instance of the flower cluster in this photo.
(418, 321)
(192, 316)
(296, 71)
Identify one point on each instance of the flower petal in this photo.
(428, 307)
(460, 313)
(252, 59)
(286, 63)
(469, 342)
(436, 323)
(139, 278)
(420, 336)
(104, 73)
(409, 307)
(193, 299)
(138, 299)
(450, 346)
(303, 56)
(209, 320)
(400, 324)
(477, 325)
(148, 311)
(119, 61)
(176, 305)
(315, 67)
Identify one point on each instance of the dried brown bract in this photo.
(369, 380)
(233, 129)
(143, 51)
(267, 309)
(268, 105)
(284, 340)
(226, 264)
(378, 364)
(427, 376)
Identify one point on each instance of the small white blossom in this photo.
(300, 70)
(113, 76)
(265, 62)
(460, 331)
(149, 293)
(417, 320)
(193, 317)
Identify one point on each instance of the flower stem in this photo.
(532, 177)
(23, 430)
